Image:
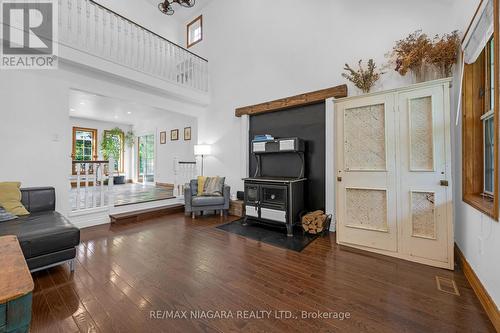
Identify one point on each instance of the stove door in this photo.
(274, 196)
(252, 194)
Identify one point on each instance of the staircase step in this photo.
(145, 214)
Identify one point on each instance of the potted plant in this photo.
(111, 147)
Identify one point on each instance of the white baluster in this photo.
(101, 176)
(104, 31)
(87, 24)
(69, 23)
(86, 166)
(119, 40)
(79, 38)
(78, 197)
(111, 174)
(96, 29)
(94, 188)
(111, 36)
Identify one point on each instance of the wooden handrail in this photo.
(89, 162)
(142, 27)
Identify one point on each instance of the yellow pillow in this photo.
(10, 198)
(201, 184)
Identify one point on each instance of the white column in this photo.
(244, 142)
(330, 179)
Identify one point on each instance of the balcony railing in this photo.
(93, 185)
(91, 28)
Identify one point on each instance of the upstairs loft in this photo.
(97, 38)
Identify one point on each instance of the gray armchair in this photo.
(194, 203)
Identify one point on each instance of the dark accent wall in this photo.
(307, 123)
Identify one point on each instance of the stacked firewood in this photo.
(314, 222)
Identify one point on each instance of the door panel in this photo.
(145, 160)
(366, 183)
(422, 155)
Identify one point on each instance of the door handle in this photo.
(339, 179)
(443, 182)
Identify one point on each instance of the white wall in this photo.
(102, 126)
(166, 153)
(476, 234)
(35, 142)
(35, 128)
(264, 50)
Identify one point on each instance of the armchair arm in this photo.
(39, 199)
(227, 196)
(187, 197)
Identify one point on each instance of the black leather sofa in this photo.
(46, 237)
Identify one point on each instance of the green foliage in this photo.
(111, 144)
(130, 138)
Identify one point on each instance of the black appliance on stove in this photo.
(276, 200)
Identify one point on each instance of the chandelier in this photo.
(166, 6)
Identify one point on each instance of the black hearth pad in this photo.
(270, 235)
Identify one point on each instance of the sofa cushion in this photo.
(200, 185)
(213, 186)
(207, 201)
(42, 233)
(10, 198)
(6, 216)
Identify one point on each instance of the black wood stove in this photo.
(272, 199)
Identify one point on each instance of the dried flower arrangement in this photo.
(362, 78)
(444, 52)
(417, 52)
(409, 54)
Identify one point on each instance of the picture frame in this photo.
(174, 134)
(163, 138)
(187, 133)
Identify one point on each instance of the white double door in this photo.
(393, 174)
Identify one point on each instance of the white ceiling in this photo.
(182, 14)
(97, 107)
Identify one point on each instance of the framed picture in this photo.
(174, 135)
(187, 133)
(163, 138)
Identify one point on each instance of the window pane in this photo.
(194, 32)
(489, 164)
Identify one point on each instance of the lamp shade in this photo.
(202, 150)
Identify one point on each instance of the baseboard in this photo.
(91, 183)
(481, 293)
(146, 214)
(167, 185)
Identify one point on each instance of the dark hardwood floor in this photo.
(174, 263)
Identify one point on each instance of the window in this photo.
(488, 121)
(120, 140)
(195, 31)
(84, 144)
(478, 132)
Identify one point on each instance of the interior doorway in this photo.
(146, 159)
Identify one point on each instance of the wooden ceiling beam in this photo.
(293, 101)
